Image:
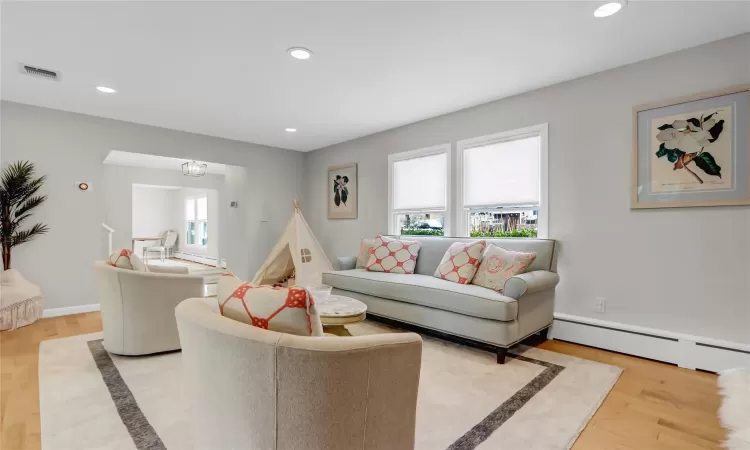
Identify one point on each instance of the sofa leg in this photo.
(501, 352)
(543, 334)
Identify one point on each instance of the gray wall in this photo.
(683, 270)
(70, 147)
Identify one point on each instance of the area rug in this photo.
(538, 400)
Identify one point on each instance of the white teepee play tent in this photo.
(297, 259)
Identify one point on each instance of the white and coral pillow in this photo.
(365, 249)
(461, 261)
(286, 310)
(124, 258)
(393, 256)
(499, 264)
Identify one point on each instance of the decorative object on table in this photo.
(393, 255)
(297, 259)
(342, 191)
(194, 169)
(21, 302)
(499, 265)
(336, 311)
(165, 249)
(124, 258)
(286, 310)
(461, 261)
(735, 407)
(693, 151)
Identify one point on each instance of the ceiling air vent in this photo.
(39, 72)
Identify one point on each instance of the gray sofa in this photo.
(464, 312)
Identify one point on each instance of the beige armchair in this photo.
(254, 388)
(138, 308)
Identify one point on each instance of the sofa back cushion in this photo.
(286, 310)
(433, 248)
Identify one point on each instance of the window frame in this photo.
(196, 221)
(413, 154)
(462, 212)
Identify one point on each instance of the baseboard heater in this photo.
(687, 351)
(202, 259)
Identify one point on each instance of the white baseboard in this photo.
(56, 312)
(684, 350)
(207, 260)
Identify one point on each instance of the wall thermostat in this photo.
(83, 186)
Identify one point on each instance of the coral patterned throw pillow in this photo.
(124, 258)
(393, 255)
(286, 310)
(365, 249)
(461, 261)
(499, 264)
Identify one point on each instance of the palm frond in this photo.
(29, 204)
(18, 183)
(21, 237)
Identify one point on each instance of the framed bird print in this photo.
(693, 151)
(342, 191)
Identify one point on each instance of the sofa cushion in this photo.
(286, 310)
(124, 258)
(365, 250)
(393, 255)
(461, 261)
(499, 265)
(428, 291)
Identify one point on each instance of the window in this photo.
(196, 218)
(503, 186)
(419, 191)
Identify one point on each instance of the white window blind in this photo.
(190, 209)
(202, 208)
(502, 173)
(420, 183)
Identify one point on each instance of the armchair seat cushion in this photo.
(427, 290)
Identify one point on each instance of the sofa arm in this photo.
(529, 283)
(347, 262)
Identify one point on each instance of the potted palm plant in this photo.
(21, 302)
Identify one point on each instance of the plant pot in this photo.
(21, 302)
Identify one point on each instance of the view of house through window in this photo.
(501, 184)
(419, 191)
(196, 218)
(426, 224)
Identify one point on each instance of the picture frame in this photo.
(692, 151)
(342, 191)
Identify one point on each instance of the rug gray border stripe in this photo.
(145, 438)
(143, 434)
(481, 431)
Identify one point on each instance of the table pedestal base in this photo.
(338, 330)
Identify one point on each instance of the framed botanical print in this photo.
(693, 151)
(342, 191)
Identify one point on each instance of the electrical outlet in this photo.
(601, 305)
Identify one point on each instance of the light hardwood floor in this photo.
(652, 406)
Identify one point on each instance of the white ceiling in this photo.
(119, 158)
(220, 68)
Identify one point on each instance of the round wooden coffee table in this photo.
(337, 311)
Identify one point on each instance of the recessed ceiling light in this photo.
(608, 9)
(290, 130)
(299, 53)
(105, 89)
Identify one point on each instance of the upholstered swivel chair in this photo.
(138, 308)
(255, 388)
